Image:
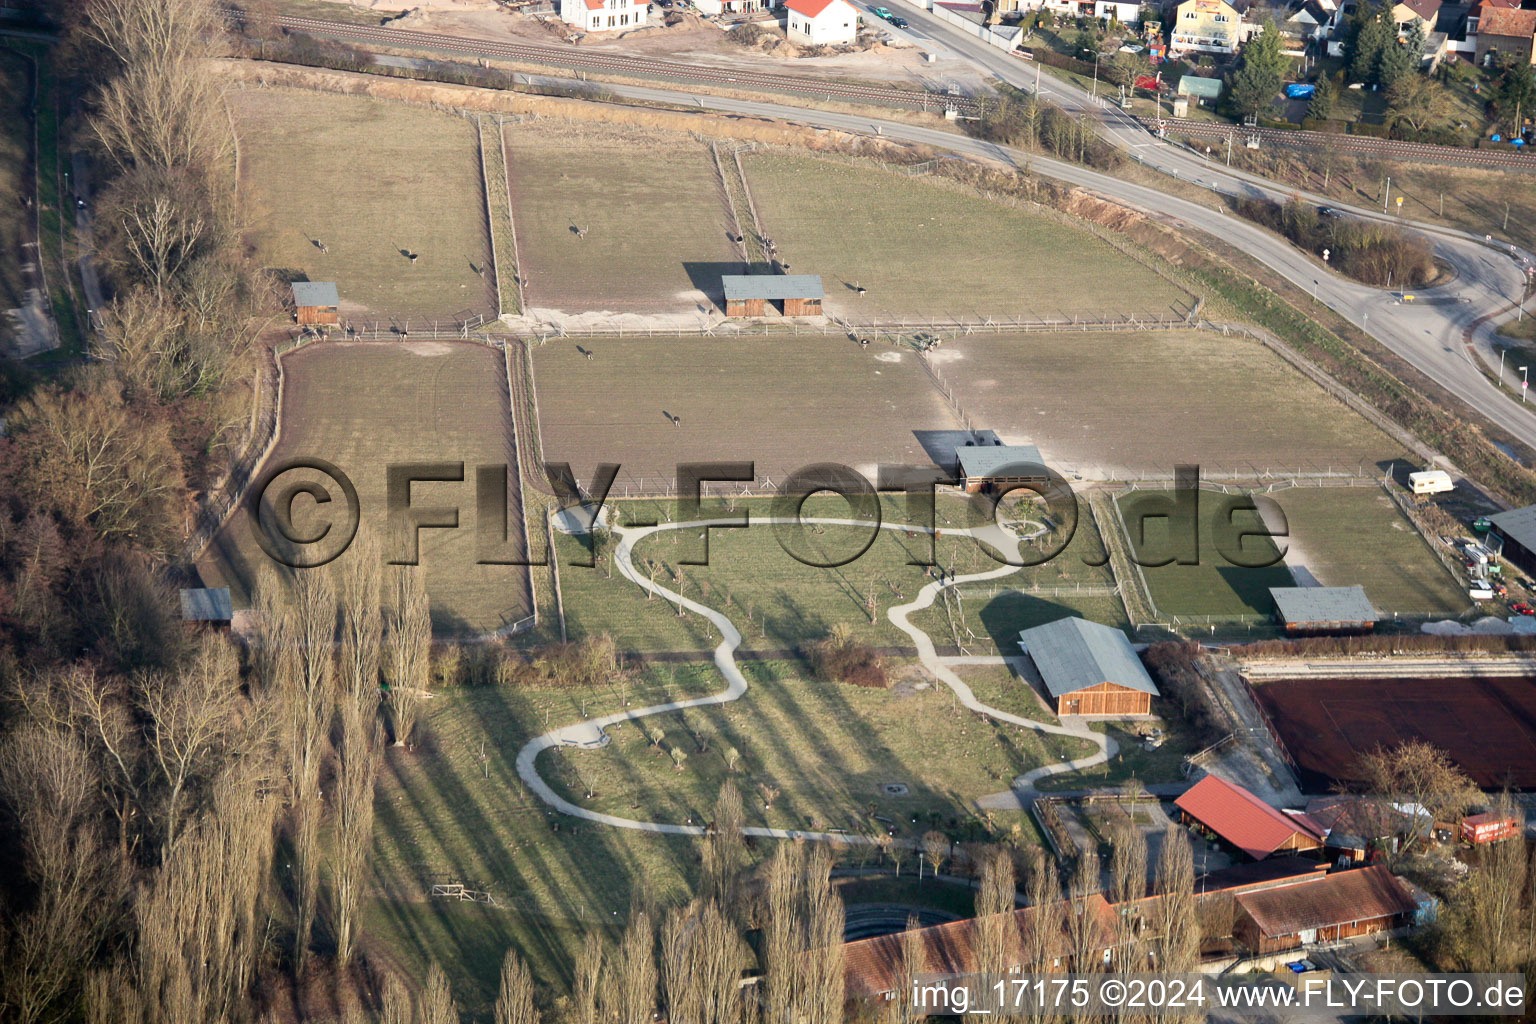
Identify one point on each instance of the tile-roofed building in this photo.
(1508, 32)
(1244, 821)
(1405, 12)
(1258, 874)
(1354, 824)
(873, 967)
(1336, 906)
(1513, 533)
(1323, 609)
(1089, 668)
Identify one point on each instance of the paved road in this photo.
(1427, 332)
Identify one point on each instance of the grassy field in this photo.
(1356, 535)
(1215, 586)
(446, 814)
(989, 623)
(827, 749)
(657, 230)
(1109, 405)
(364, 406)
(777, 601)
(366, 179)
(927, 248)
(784, 402)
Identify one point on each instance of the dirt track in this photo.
(1487, 725)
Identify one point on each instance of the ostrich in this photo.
(322, 246)
(859, 288)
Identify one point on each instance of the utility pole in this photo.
(1502, 353)
(1387, 194)
(1229, 149)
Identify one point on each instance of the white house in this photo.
(821, 22)
(605, 15)
(1126, 12)
(718, 7)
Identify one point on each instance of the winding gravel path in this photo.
(590, 733)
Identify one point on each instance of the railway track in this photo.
(1382, 148)
(648, 68)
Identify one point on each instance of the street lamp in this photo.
(1095, 70)
(1525, 383)
(1502, 353)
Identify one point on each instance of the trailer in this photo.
(1431, 481)
(1488, 828)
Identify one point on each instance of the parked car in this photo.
(882, 14)
(898, 21)
(1521, 608)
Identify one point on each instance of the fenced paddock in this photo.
(783, 402)
(1486, 725)
(925, 245)
(346, 189)
(1117, 405)
(625, 220)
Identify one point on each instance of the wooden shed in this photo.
(1324, 609)
(999, 467)
(792, 294)
(1335, 906)
(316, 303)
(1245, 822)
(1089, 668)
(209, 606)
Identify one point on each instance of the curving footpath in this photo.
(590, 733)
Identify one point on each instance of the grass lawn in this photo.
(949, 897)
(366, 179)
(443, 814)
(1161, 765)
(1356, 535)
(930, 248)
(783, 402)
(1216, 586)
(446, 402)
(778, 601)
(826, 748)
(1108, 405)
(657, 229)
(990, 623)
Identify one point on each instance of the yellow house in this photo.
(1206, 26)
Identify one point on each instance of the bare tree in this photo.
(47, 776)
(935, 849)
(914, 961)
(311, 701)
(1486, 929)
(1084, 928)
(724, 847)
(589, 978)
(630, 996)
(407, 648)
(995, 926)
(1176, 927)
(514, 1001)
(783, 939)
(396, 1006)
(824, 922)
(437, 1005)
(357, 769)
(362, 624)
(1422, 777)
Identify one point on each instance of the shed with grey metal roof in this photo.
(316, 302)
(748, 294)
(210, 604)
(1089, 668)
(1323, 609)
(1513, 535)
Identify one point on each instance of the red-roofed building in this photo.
(1503, 33)
(1324, 909)
(605, 15)
(821, 22)
(1244, 821)
(873, 967)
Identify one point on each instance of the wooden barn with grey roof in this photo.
(793, 294)
(1089, 668)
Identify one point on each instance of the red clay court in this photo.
(1488, 726)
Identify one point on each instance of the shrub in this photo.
(1377, 254)
(1174, 665)
(838, 658)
